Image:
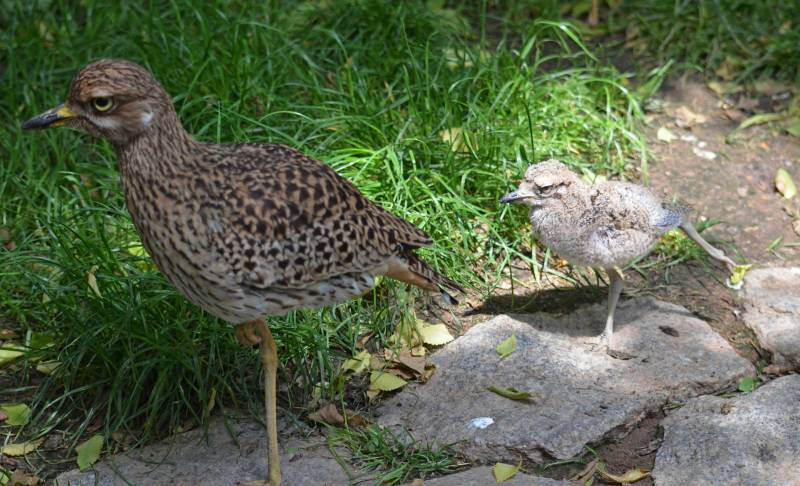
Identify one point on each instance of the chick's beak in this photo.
(50, 118)
(514, 196)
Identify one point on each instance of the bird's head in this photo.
(544, 183)
(111, 98)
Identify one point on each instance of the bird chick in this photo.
(606, 225)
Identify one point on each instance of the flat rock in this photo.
(581, 396)
(482, 476)
(189, 459)
(751, 439)
(773, 311)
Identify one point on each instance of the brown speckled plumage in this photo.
(242, 230)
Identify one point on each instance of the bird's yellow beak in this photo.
(50, 118)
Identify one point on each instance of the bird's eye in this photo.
(102, 104)
(546, 189)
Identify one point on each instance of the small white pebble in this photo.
(688, 138)
(481, 422)
(701, 144)
(706, 154)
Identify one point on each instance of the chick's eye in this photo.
(546, 189)
(102, 104)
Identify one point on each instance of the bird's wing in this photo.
(623, 206)
(287, 220)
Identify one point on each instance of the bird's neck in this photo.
(160, 150)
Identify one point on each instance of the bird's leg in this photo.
(603, 341)
(715, 253)
(257, 332)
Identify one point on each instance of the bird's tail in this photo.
(416, 272)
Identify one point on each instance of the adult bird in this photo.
(242, 230)
(606, 225)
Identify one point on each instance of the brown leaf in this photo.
(328, 415)
(429, 369)
(362, 341)
(19, 478)
(414, 363)
(686, 118)
(734, 115)
(796, 226)
(402, 373)
(585, 474)
(3, 415)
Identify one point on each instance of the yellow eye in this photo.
(102, 104)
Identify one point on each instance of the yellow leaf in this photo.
(47, 367)
(383, 381)
(89, 451)
(511, 393)
(738, 273)
(18, 413)
(10, 352)
(630, 476)
(455, 137)
(22, 448)
(724, 87)
(507, 347)
(784, 184)
(503, 472)
(357, 363)
(435, 335)
(665, 135)
(93, 280)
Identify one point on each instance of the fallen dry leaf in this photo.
(93, 280)
(508, 346)
(357, 363)
(585, 474)
(724, 87)
(665, 135)
(414, 363)
(21, 448)
(382, 381)
(89, 451)
(686, 118)
(426, 375)
(796, 226)
(435, 334)
(503, 472)
(785, 184)
(511, 393)
(19, 478)
(328, 415)
(630, 476)
(16, 413)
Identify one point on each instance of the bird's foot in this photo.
(246, 334)
(599, 343)
(621, 355)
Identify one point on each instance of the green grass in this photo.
(395, 457)
(369, 87)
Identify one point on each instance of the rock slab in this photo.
(190, 460)
(751, 439)
(773, 311)
(482, 476)
(581, 396)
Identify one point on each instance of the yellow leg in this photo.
(257, 332)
